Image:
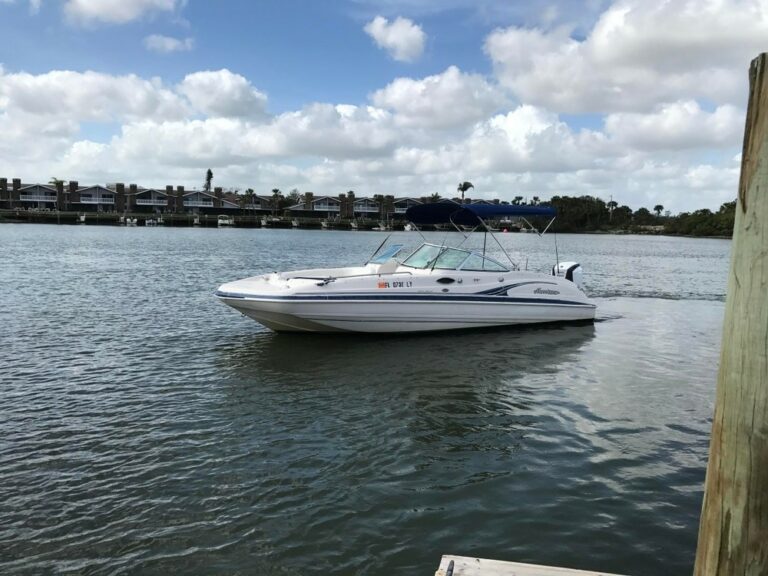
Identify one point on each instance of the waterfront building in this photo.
(365, 208)
(94, 199)
(148, 200)
(400, 205)
(119, 198)
(115, 198)
(37, 196)
(318, 207)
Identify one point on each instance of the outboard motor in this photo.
(570, 271)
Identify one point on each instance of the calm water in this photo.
(147, 428)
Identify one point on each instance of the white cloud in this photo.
(167, 44)
(223, 93)
(637, 55)
(677, 126)
(87, 97)
(320, 131)
(340, 131)
(402, 39)
(450, 99)
(529, 139)
(115, 11)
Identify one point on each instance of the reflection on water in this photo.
(457, 357)
(439, 381)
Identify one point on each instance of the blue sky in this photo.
(640, 100)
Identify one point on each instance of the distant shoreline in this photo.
(239, 221)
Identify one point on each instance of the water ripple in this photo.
(147, 429)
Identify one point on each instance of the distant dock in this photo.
(192, 220)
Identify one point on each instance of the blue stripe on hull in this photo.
(405, 297)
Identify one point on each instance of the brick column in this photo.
(130, 198)
(74, 193)
(171, 197)
(180, 199)
(4, 197)
(15, 194)
(61, 200)
(218, 197)
(120, 197)
(308, 198)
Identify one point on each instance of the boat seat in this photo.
(389, 266)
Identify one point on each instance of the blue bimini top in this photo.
(470, 214)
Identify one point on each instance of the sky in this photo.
(639, 101)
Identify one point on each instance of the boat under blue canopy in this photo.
(470, 214)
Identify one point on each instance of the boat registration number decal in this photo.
(403, 284)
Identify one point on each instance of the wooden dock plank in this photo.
(467, 566)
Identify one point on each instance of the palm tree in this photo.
(55, 183)
(379, 199)
(535, 201)
(435, 197)
(612, 205)
(249, 194)
(517, 201)
(294, 197)
(463, 187)
(658, 209)
(275, 200)
(208, 179)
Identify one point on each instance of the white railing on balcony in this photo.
(199, 203)
(368, 209)
(327, 207)
(37, 198)
(151, 202)
(97, 200)
(400, 210)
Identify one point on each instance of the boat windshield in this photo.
(389, 252)
(443, 258)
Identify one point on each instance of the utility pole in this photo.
(733, 533)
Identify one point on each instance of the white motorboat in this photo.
(224, 221)
(434, 287)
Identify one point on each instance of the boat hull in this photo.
(403, 314)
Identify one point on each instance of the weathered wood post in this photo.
(733, 534)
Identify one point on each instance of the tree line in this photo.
(591, 214)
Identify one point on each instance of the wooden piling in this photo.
(733, 533)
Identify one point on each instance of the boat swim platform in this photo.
(467, 566)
